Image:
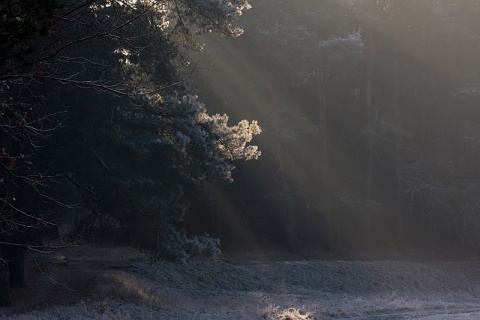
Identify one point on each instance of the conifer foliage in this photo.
(95, 97)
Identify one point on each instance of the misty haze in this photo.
(243, 159)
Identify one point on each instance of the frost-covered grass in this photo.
(277, 290)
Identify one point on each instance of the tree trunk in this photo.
(288, 200)
(370, 56)
(334, 231)
(398, 201)
(4, 292)
(322, 123)
(291, 223)
(15, 256)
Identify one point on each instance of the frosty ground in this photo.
(120, 283)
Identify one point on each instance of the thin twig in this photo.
(53, 281)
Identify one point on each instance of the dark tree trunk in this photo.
(370, 57)
(291, 223)
(15, 256)
(4, 292)
(334, 232)
(398, 201)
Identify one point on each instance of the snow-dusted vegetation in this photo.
(244, 286)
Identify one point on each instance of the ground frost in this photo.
(278, 290)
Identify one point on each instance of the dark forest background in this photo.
(370, 115)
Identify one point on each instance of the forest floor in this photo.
(86, 282)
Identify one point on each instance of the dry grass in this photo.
(119, 284)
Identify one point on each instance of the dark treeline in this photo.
(101, 133)
(371, 115)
